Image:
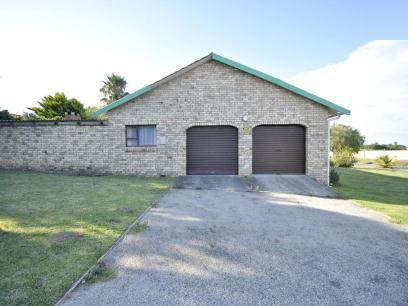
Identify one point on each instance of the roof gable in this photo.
(339, 109)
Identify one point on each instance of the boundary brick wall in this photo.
(210, 94)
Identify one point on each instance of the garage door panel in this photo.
(212, 150)
(278, 149)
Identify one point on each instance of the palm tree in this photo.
(113, 88)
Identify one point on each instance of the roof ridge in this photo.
(214, 56)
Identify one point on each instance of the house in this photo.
(214, 116)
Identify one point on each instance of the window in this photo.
(140, 135)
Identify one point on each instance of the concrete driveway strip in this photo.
(213, 182)
(291, 184)
(217, 247)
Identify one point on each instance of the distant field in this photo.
(373, 154)
(397, 163)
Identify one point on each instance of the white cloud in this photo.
(373, 83)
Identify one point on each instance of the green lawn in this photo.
(54, 227)
(379, 189)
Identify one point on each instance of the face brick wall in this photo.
(210, 94)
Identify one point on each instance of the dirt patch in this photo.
(114, 221)
(63, 236)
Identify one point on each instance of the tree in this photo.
(27, 116)
(87, 114)
(54, 107)
(113, 88)
(345, 136)
(397, 146)
(5, 115)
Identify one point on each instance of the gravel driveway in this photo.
(218, 247)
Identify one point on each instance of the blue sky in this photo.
(70, 46)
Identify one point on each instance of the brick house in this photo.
(214, 116)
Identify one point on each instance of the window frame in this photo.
(137, 129)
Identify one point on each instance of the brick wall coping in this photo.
(5, 123)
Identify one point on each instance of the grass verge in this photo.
(383, 190)
(54, 227)
(100, 273)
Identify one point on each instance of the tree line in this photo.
(385, 147)
(53, 107)
(344, 136)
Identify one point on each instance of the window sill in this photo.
(141, 149)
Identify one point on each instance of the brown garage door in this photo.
(278, 149)
(212, 150)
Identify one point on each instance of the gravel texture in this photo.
(217, 247)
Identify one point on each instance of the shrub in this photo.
(331, 163)
(385, 161)
(100, 273)
(344, 157)
(334, 179)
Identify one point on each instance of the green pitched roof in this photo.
(339, 109)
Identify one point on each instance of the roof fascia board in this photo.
(121, 101)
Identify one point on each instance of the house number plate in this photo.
(245, 130)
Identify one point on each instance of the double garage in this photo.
(276, 149)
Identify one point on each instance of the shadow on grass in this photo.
(264, 250)
(37, 269)
(54, 227)
(357, 184)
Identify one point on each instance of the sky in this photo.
(349, 52)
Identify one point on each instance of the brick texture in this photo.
(210, 94)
